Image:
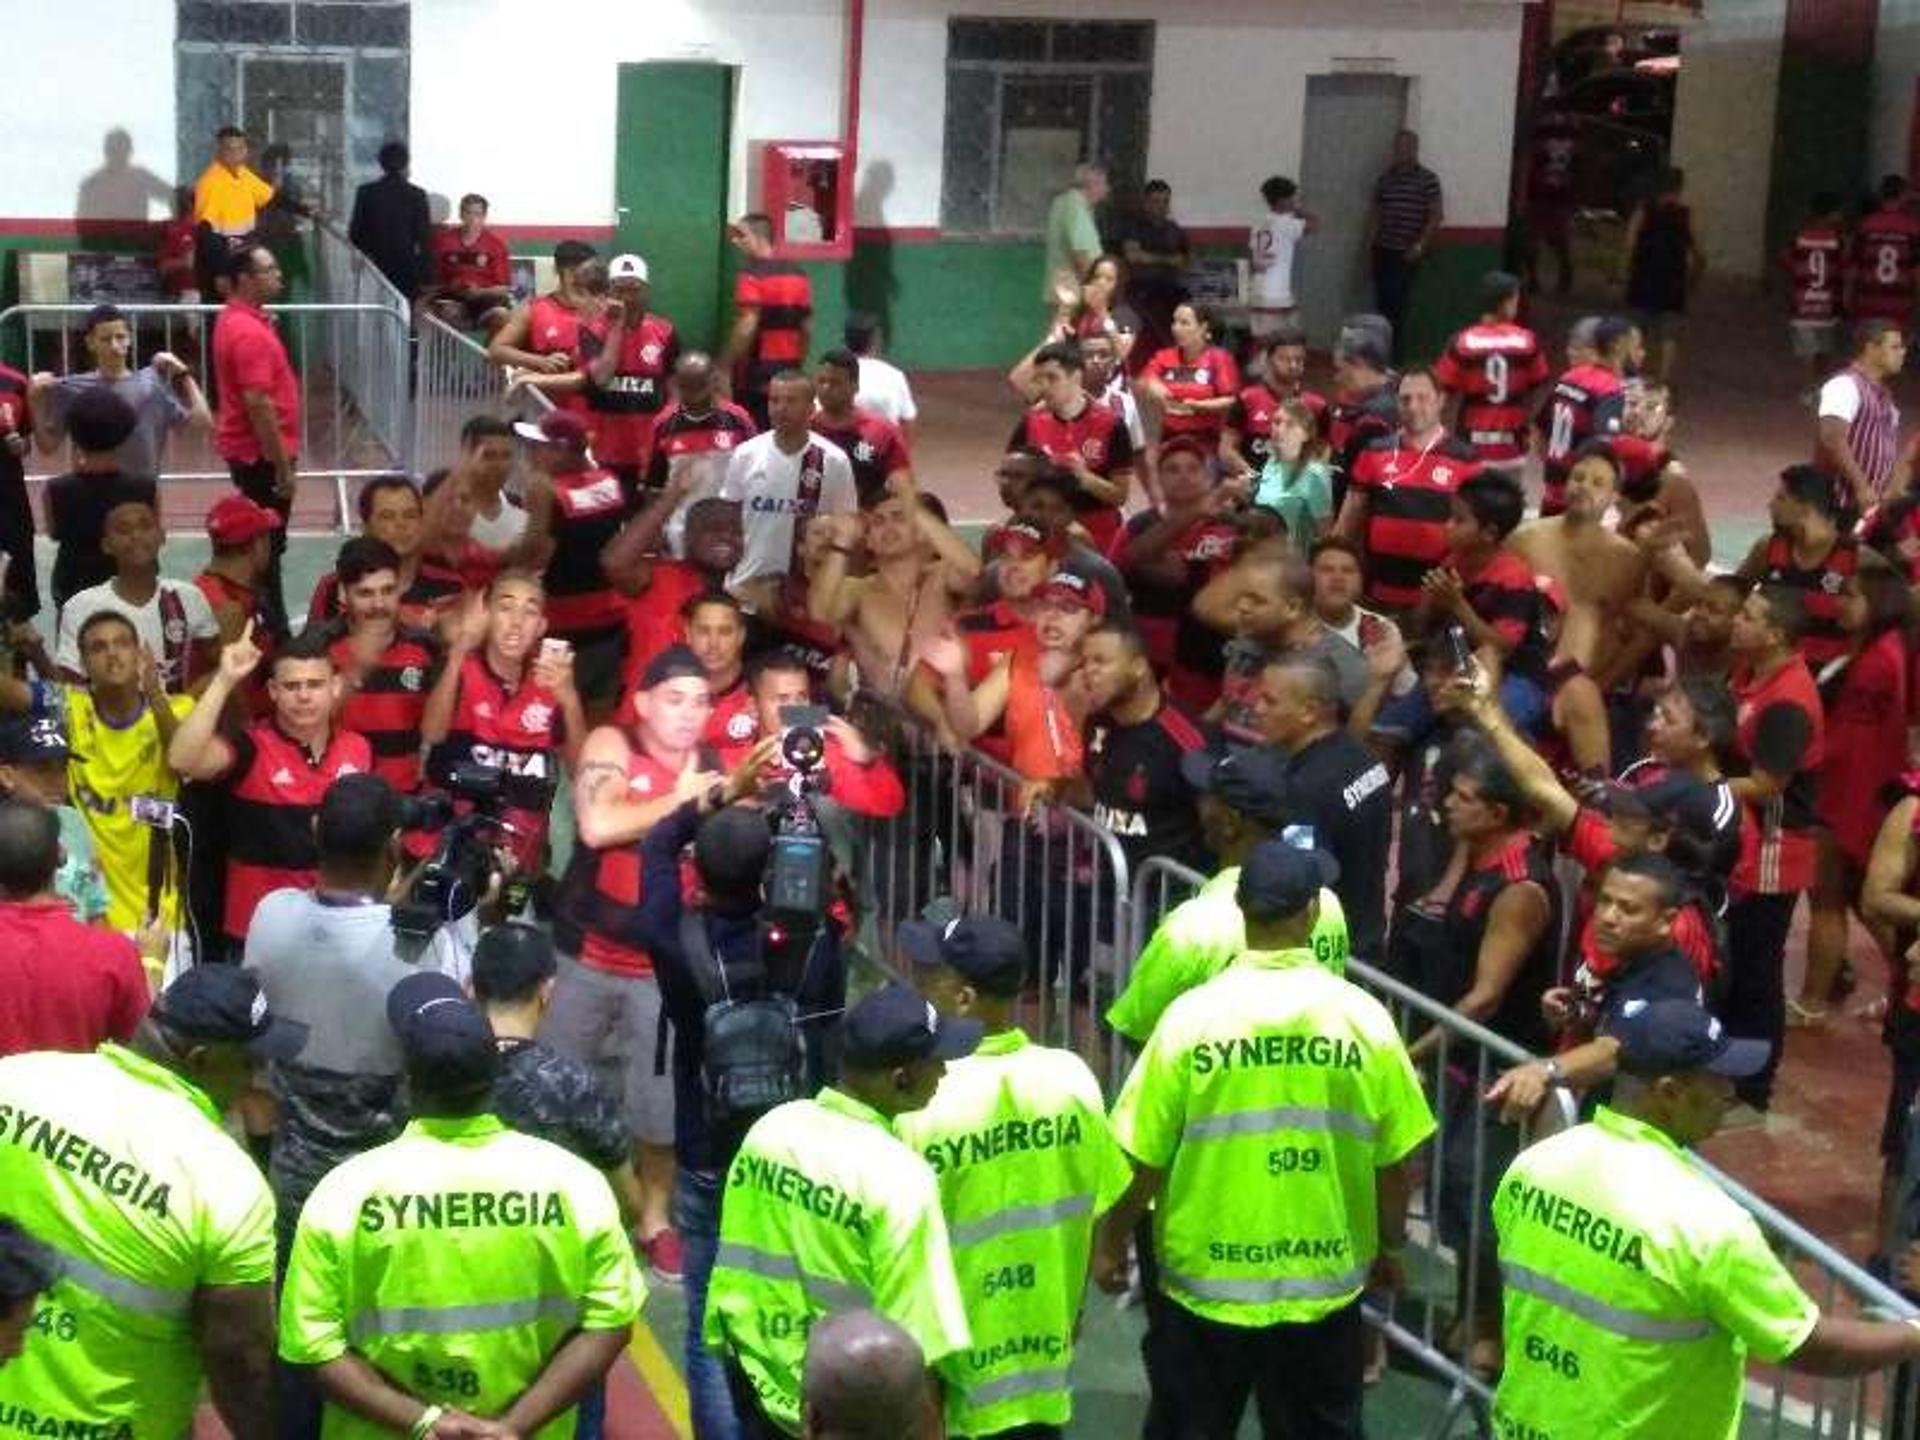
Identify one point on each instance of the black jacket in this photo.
(392, 227)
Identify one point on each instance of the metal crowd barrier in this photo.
(454, 381)
(1778, 1404)
(373, 368)
(351, 359)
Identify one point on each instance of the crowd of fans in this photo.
(1546, 761)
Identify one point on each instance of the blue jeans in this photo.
(696, 1215)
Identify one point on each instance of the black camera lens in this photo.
(803, 747)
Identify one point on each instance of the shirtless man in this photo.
(1653, 484)
(1601, 572)
(920, 569)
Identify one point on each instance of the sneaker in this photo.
(666, 1263)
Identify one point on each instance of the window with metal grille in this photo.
(326, 79)
(1027, 100)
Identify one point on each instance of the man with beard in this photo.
(1245, 440)
(385, 668)
(657, 586)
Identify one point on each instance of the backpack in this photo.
(753, 1056)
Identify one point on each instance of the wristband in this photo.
(429, 1418)
(1555, 1075)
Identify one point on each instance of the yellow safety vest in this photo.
(456, 1259)
(1271, 1096)
(825, 1210)
(1634, 1289)
(1018, 1136)
(121, 1166)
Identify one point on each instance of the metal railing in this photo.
(967, 834)
(351, 360)
(373, 368)
(1778, 1403)
(454, 381)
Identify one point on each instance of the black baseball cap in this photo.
(1250, 778)
(984, 949)
(511, 960)
(894, 1026)
(1278, 879)
(447, 1042)
(1687, 804)
(224, 1005)
(676, 662)
(1668, 1037)
(32, 740)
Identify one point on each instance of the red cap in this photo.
(556, 427)
(1068, 587)
(234, 520)
(1018, 539)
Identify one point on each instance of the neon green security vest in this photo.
(1634, 1289)
(825, 1210)
(1196, 941)
(1270, 1095)
(456, 1259)
(1018, 1136)
(122, 1167)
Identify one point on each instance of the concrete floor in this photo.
(1740, 422)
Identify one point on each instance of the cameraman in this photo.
(754, 954)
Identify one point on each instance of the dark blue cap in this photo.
(895, 1026)
(676, 662)
(32, 740)
(1278, 879)
(984, 949)
(1672, 1037)
(224, 1005)
(448, 1045)
(1251, 779)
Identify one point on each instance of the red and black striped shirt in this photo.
(1409, 491)
(1823, 587)
(873, 444)
(783, 295)
(273, 793)
(385, 701)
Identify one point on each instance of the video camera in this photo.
(798, 871)
(457, 876)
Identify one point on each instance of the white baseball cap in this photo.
(627, 267)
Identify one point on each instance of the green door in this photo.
(670, 186)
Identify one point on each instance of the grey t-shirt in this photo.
(328, 966)
(156, 409)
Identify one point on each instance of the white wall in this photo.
(1229, 93)
(79, 69)
(1229, 61)
(1723, 129)
(1896, 65)
(552, 163)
